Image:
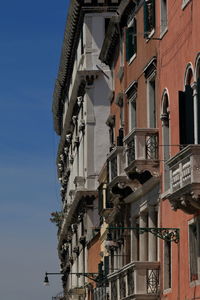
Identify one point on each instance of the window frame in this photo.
(131, 102)
(185, 3)
(168, 288)
(149, 33)
(132, 24)
(150, 79)
(193, 221)
(163, 27)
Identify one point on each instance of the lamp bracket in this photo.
(167, 234)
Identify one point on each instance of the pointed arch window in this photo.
(186, 112)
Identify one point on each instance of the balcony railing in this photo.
(135, 279)
(184, 170)
(142, 149)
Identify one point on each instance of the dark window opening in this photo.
(131, 40)
(107, 21)
(149, 17)
(167, 265)
(186, 116)
(194, 249)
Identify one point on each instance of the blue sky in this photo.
(31, 34)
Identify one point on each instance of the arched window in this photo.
(186, 111)
(165, 137)
(197, 102)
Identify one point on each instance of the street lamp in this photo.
(46, 279)
(91, 276)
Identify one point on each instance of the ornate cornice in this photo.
(76, 12)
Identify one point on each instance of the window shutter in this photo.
(189, 117)
(135, 36)
(100, 198)
(100, 270)
(129, 42)
(149, 17)
(146, 29)
(182, 128)
(108, 202)
(153, 14)
(106, 265)
(186, 116)
(198, 109)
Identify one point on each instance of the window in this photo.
(163, 15)
(131, 93)
(186, 113)
(132, 113)
(167, 265)
(121, 48)
(107, 20)
(150, 76)
(131, 40)
(151, 102)
(194, 248)
(149, 17)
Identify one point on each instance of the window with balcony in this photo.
(194, 248)
(131, 93)
(149, 17)
(132, 113)
(131, 40)
(151, 102)
(163, 16)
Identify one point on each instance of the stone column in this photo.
(152, 240)
(116, 260)
(143, 238)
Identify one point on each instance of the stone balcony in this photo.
(116, 165)
(184, 170)
(142, 151)
(137, 280)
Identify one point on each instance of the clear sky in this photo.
(31, 34)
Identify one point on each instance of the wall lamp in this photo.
(46, 279)
(91, 276)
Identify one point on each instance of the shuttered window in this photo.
(149, 17)
(194, 243)
(131, 41)
(186, 116)
(167, 265)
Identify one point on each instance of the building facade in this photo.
(133, 162)
(179, 136)
(126, 107)
(80, 109)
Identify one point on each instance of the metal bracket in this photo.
(167, 234)
(91, 276)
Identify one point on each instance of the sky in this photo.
(31, 35)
